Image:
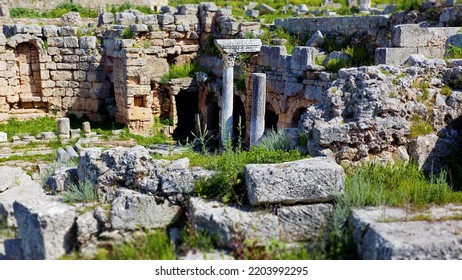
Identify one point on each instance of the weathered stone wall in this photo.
(373, 26)
(51, 69)
(50, 4)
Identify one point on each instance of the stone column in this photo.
(257, 118)
(227, 97)
(64, 128)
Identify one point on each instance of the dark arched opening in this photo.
(296, 117)
(238, 118)
(271, 119)
(186, 108)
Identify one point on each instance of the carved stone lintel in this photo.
(228, 59)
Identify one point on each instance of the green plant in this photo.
(330, 44)
(359, 55)
(33, 127)
(333, 65)
(275, 141)
(147, 44)
(190, 238)
(446, 90)
(240, 82)
(409, 5)
(127, 33)
(180, 71)
(453, 52)
(81, 192)
(280, 33)
(419, 127)
(319, 59)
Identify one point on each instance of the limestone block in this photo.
(105, 18)
(87, 42)
(188, 9)
(87, 226)
(71, 42)
(192, 20)
(138, 114)
(61, 75)
(326, 134)
(229, 223)
(393, 56)
(147, 19)
(165, 19)
(189, 48)
(125, 18)
(308, 180)
(412, 35)
(86, 127)
(47, 135)
(292, 89)
(61, 179)
(132, 210)
(302, 222)
(55, 42)
(394, 233)
(136, 28)
(67, 31)
(302, 57)
(45, 228)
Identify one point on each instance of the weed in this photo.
(147, 45)
(419, 127)
(333, 65)
(330, 44)
(280, 33)
(319, 59)
(82, 192)
(446, 91)
(240, 82)
(127, 33)
(359, 55)
(193, 239)
(385, 72)
(181, 71)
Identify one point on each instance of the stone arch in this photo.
(15, 40)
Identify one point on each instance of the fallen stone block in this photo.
(308, 180)
(61, 179)
(395, 233)
(412, 35)
(230, 225)
(302, 222)
(132, 210)
(393, 56)
(20, 188)
(46, 228)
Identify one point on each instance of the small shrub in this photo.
(82, 192)
(275, 141)
(240, 83)
(410, 5)
(180, 71)
(333, 65)
(147, 45)
(330, 44)
(446, 90)
(127, 33)
(359, 55)
(319, 59)
(453, 52)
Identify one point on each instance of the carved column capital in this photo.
(228, 59)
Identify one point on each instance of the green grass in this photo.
(57, 12)
(419, 127)
(33, 127)
(127, 33)
(397, 185)
(359, 55)
(279, 33)
(153, 245)
(180, 71)
(228, 184)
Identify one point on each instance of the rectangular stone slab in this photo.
(308, 180)
(238, 45)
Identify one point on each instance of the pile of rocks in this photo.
(137, 192)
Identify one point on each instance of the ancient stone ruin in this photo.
(116, 69)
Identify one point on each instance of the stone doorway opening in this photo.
(187, 106)
(271, 118)
(29, 86)
(296, 117)
(239, 120)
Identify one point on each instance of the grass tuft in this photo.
(82, 192)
